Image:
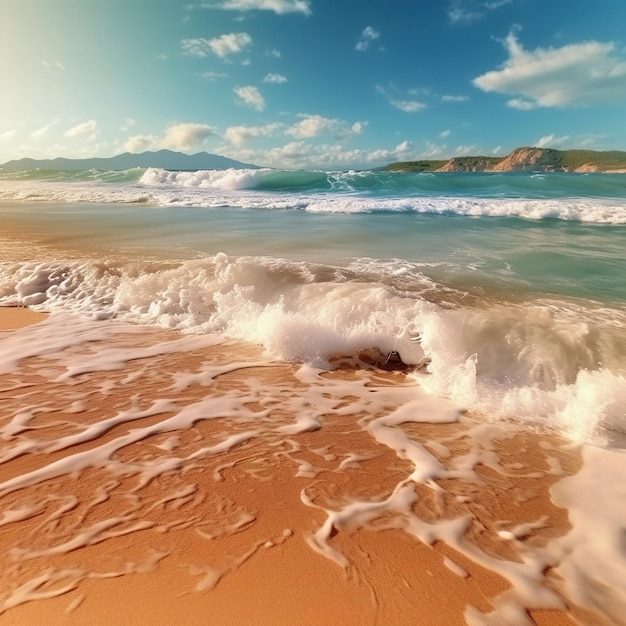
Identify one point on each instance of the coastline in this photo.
(232, 535)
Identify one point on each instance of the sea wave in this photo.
(553, 363)
(223, 194)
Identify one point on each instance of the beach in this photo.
(210, 416)
(266, 528)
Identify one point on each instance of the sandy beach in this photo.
(249, 512)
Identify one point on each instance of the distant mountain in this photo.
(165, 159)
(523, 160)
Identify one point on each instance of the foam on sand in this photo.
(151, 476)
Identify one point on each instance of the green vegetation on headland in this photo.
(522, 160)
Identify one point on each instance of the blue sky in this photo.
(311, 83)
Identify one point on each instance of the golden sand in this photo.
(18, 317)
(225, 538)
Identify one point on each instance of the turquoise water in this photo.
(507, 290)
(504, 253)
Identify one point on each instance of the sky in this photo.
(315, 84)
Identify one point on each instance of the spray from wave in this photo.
(554, 364)
(593, 199)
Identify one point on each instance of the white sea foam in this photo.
(580, 556)
(240, 189)
(228, 180)
(552, 364)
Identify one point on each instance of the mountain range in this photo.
(165, 159)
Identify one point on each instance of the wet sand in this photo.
(18, 317)
(225, 517)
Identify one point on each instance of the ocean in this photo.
(494, 298)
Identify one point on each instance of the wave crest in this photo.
(554, 363)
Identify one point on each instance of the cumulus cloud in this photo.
(250, 96)
(280, 7)
(367, 37)
(141, 143)
(575, 75)
(184, 136)
(444, 133)
(311, 126)
(89, 128)
(239, 135)
(275, 78)
(315, 125)
(301, 154)
(187, 135)
(222, 46)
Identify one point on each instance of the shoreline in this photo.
(239, 535)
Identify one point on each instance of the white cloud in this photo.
(274, 53)
(8, 134)
(128, 123)
(465, 150)
(301, 154)
(367, 37)
(184, 136)
(521, 104)
(187, 135)
(311, 126)
(433, 150)
(141, 143)
(89, 128)
(250, 96)
(222, 46)
(43, 131)
(449, 98)
(551, 140)
(280, 7)
(496, 150)
(238, 135)
(575, 75)
(315, 125)
(56, 64)
(408, 106)
(198, 47)
(275, 78)
(232, 43)
(496, 4)
(460, 11)
(213, 76)
(465, 11)
(444, 133)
